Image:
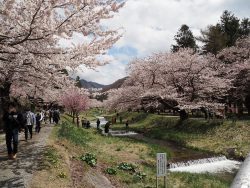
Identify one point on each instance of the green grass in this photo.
(51, 157)
(72, 133)
(111, 151)
(2, 138)
(214, 136)
(184, 180)
(91, 114)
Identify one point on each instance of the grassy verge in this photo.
(2, 138)
(54, 168)
(110, 152)
(215, 135)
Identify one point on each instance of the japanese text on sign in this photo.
(161, 164)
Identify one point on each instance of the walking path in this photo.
(18, 173)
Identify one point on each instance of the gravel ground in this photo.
(18, 173)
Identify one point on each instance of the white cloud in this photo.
(150, 26)
(105, 74)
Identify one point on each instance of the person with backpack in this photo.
(29, 122)
(12, 125)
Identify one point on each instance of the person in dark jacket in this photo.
(56, 116)
(38, 122)
(126, 125)
(12, 125)
(88, 124)
(98, 123)
(106, 127)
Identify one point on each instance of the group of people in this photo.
(85, 123)
(16, 122)
(53, 115)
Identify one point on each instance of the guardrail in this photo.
(242, 179)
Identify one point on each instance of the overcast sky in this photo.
(150, 25)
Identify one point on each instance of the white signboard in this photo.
(161, 164)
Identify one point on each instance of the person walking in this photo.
(98, 124)
(126, 125)
(50, 116)
(83, 122)
(106, 127)
(46, 116)
(29, 122)
(56, 116)
(12, 124)
(38, 122)
(88, 124)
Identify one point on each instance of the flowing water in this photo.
(183, 159)
(103, 121)
(122, 133)
(210, 165)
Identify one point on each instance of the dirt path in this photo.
(18, 173)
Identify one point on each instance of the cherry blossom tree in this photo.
(180, 81)
(32, 61)
(237, 60)
(95, 103)
(75, 101)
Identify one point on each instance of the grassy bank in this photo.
(222, 137)
(110, 152)
(54, 169)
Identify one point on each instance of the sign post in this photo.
(161, 168)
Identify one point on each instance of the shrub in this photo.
(127, 167)
(62, 175)
(138, 176)
(89, 158)
(111, 171)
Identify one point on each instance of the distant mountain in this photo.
(117, 84)
(93, 85)
(89, 84)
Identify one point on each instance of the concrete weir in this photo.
(242, 179)
(207, 165)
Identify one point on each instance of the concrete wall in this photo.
(242, 179)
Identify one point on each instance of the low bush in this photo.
(111, 171)
(89, 158)
(139, 176)
(127, 166)
(62, 175)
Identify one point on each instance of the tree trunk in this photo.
(5, 98)
(247, 104)
(240, 107)
(77, 120)
(183, 115)
(73, 115)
